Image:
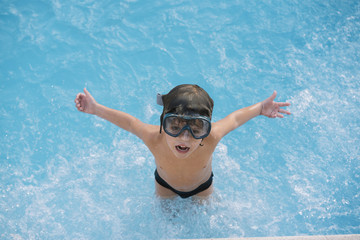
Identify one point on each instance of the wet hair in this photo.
(187, 99)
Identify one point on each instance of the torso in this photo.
(182, 174)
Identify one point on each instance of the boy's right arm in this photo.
(87, 104)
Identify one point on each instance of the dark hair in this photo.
(187, 99)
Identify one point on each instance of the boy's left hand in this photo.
(272, 109)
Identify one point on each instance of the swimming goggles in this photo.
(198, 126)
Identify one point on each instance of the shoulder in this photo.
(217, 131)
(214, 136)
(150, 134)
(222, 127)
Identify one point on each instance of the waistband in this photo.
(199, 189)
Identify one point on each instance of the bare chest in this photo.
(184, 173)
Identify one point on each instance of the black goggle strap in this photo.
(159, 100)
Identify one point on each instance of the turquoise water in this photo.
(67, 175)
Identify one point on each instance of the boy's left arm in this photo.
(234, 120)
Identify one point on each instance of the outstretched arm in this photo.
(87, 104)
(234, 120)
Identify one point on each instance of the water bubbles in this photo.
(92, 180)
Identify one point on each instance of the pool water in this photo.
(68, 175)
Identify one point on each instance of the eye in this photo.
(175, 128)
(197, 123)
(195, 131)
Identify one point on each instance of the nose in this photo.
(185, 135)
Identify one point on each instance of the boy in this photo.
(184, 144)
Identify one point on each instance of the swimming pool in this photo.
(66, 175)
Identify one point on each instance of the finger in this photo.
(280, 115)
(283, 104)
(273, 96)
(284, 111)
(78, 108)
(77, 97)
(86, 92)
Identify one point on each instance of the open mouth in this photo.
(182, 149)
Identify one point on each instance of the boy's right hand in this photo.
(85, 102)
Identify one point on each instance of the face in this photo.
(183, 145)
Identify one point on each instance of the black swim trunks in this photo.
(201, 188)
